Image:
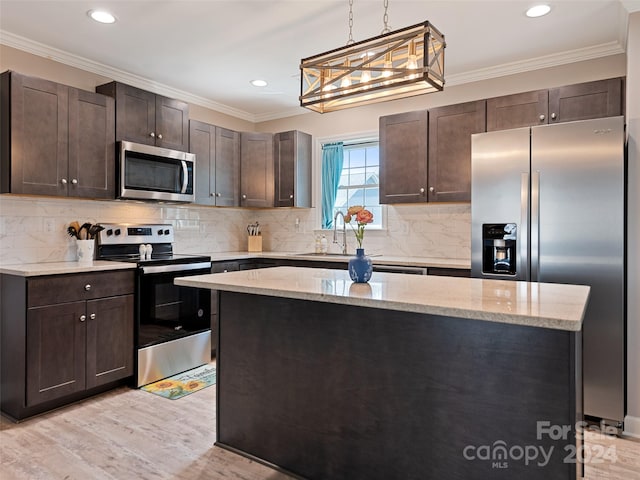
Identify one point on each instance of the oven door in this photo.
(166, 311)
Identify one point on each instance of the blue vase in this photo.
(360, 267)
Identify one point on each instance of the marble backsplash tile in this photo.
(33, 229)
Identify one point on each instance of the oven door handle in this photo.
(182, 267)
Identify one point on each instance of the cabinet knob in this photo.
(244, 197)
(542, 117)
(291, 196)
(553, 116)
(152, 134)
(212, 194)
(87, 287)
(63, 181)
(432, 189)
(74, 181)
(422, 190)
(92, 316)
(83, 318)
(160, 136)
(218, 194)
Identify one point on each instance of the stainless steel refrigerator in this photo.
(548, 205)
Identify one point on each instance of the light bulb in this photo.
(388, 65)
(412, 59)
(346, 80)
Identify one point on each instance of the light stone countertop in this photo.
(546, 305)
(58, 268)
(376, 259)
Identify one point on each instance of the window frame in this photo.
(362, 137)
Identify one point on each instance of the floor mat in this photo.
(184, 383)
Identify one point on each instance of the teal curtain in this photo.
(332, 158)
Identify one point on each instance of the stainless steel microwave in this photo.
(154, 173)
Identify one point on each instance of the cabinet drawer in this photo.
(49, 290)
(220, 267)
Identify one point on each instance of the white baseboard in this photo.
(632, 426)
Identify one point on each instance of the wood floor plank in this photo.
(126, 434)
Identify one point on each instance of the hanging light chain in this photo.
(385, 18)
(350, 41)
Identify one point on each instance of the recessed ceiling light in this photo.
(101, 16)
(258, 83)
(538, 11)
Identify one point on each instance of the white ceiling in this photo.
(213, 48)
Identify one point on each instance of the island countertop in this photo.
(546, 305)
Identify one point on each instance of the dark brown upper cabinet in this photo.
(582, 101)
(56, 140)
(256, 169)
(403, 157)
(292, 169)
(217, 175)
(450, 130)
(147, 118)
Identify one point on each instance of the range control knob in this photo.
(166, 232)
(160, 232)
(109, 232)
(117, 232)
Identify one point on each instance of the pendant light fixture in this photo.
(393, 65)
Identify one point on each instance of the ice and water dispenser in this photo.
(499, 248)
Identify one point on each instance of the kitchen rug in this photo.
(184, 383)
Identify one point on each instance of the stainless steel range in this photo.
(173, 324)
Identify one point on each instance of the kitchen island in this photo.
(410, 377)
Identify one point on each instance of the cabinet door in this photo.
(450, 130)
(39, 135)
(519, 110)
(92, 136)
(135, 114)
(110, 345)
(584, 101)
(227, 179)
(256, 169)
(202, 142)
(172, 123)
(292, 169)
(55, 351)
(403, 157)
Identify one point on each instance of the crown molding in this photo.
(512, 68)
(66, 58)
(537, 63)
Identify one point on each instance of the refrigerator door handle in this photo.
(535, 226)
(523, 235)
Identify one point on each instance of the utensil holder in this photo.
(254, 243)
(85, 251)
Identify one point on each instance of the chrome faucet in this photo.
(344, 232)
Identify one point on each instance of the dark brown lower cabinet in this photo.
(54, 353)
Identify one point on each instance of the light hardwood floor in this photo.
(131, 434)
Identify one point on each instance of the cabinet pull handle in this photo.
(92, 316)
(74, 181)
(87, 287)
(152, 134)
(63, 181)
(83, 318)
(553, 116)
(542, 117)
(160, 136)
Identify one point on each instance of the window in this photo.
(359, 181)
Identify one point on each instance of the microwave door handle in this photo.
(185, 176)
